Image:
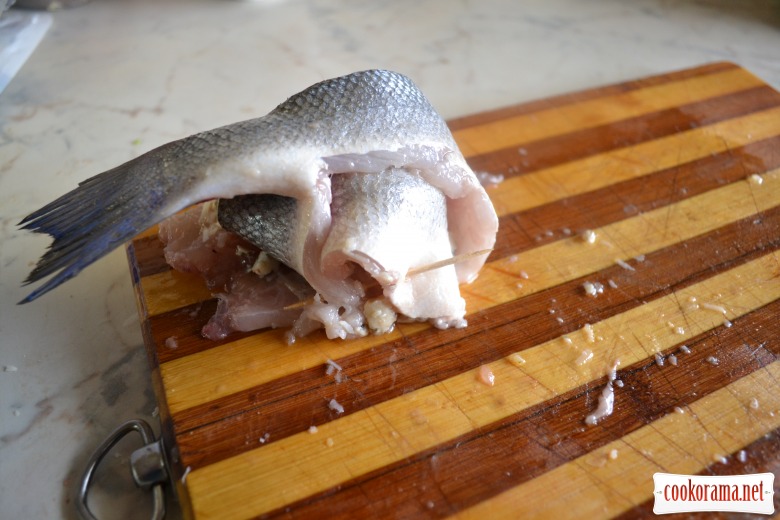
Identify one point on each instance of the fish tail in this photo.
(102, 213)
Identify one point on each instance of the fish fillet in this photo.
(353, 183)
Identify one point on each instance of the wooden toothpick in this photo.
(411, 272)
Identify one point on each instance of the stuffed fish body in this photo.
(360, 183)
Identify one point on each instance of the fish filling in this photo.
(385, 229)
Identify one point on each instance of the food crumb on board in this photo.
(742, 456)
(605, 407)
(672, 359)
(606, 399)
(334, 369)
(264, 438)
(585, 356)
(335, 406)
(587, 329)
(486, 376)
(516, 359)
(754, 403)
(755, 179)
(589, 236)
(625, 265)
(714, 307)
(659, 359)
(720, 458)
(612, 283)
(184, 475)
(712, 360)
(329, 442)
(171, 343)
(523, 275)
(619, 383)
(313, 429)
(613, 454)
(10, 368)
(593, 289)
(567, 340)
(684, 349)
(489, 179)
(679, 410)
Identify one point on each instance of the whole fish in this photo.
(334, 165)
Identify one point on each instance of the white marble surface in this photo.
(115, 78)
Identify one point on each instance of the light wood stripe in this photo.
(171, 290)
(571, 98)
(303, 464)
(595, 112)
(230, 368)
(597, 171)
(762, 456)
(595, 486)
(541, 225)
(546, 153)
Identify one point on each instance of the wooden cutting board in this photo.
(666, 191)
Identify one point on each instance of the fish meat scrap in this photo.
(337, 199)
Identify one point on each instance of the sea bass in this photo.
(354, 184)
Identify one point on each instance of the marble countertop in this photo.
(115, 78)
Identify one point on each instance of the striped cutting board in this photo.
(678, 178)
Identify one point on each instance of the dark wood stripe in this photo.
(525, 230)
(149, 255)
(184, 325)
(546, 153)
(586, 95)
(483, 463)
(763, 456)
(289, 405)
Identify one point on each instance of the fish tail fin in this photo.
(102, 213)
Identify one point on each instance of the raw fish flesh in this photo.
(337, 199)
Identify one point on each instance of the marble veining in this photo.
(115, 78)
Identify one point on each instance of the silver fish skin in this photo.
(363, 122)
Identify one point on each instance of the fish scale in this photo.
(264, 220)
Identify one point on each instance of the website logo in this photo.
(732, 493)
